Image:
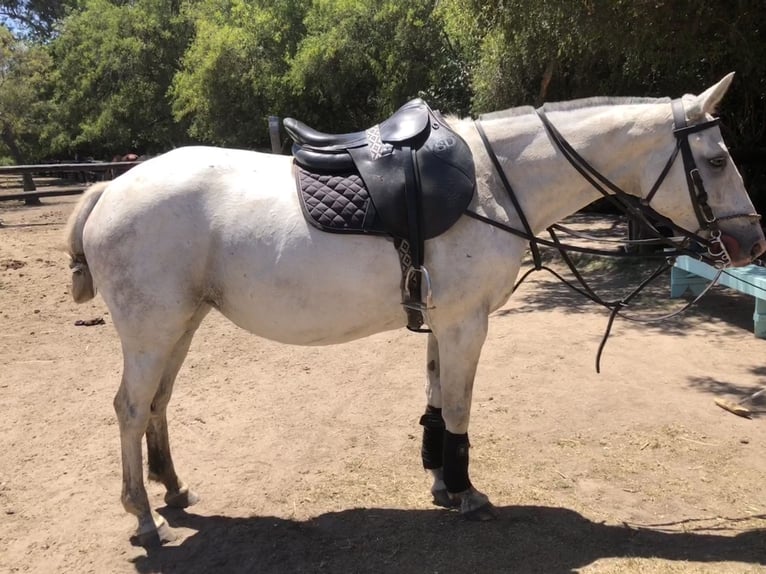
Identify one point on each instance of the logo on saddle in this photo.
(410, 177)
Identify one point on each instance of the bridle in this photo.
(708, 221)
(639, 209)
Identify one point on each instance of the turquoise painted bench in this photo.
(694, 275)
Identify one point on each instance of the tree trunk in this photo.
(9, 139)
(545, 82)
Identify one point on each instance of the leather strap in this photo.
(514, 200)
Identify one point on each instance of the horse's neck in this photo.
(545, 183)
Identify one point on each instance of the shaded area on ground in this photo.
(524, 539)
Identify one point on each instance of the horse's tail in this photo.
(83, 288)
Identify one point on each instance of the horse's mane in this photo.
(573, 105)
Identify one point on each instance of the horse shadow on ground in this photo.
(525, 539)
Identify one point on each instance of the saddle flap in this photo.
(447, 182)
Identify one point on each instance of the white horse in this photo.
(201, 228)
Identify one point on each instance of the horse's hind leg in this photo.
(144, 365)
(161, 466)
(153, 351)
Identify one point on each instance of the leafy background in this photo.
(95, 78)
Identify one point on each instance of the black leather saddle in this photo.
(413, 157)
(418, 172)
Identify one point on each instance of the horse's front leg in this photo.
(453, 355)
(432, 449)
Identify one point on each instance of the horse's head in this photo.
(699, 187)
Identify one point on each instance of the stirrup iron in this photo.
(415, 303)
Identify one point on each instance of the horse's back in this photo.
(224, 228)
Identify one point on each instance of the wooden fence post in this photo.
(276, 142)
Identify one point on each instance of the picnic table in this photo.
(694, 275)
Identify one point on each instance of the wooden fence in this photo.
(66, 178)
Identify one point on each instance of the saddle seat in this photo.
(405, 124)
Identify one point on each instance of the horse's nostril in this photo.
(759, 247)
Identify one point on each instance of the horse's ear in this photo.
(710, 98)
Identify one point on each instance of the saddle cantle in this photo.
(411, 177)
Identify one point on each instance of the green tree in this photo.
(23, 109)
(114, 64)
(524, 51)
(36, 18)
(528, 52)
(233, 74)
(23, 67)
(360, 60)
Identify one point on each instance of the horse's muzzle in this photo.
(743, 255)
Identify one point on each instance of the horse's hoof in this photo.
(184, 498)
(154, 538)
(481, 514)
(475, 506)
(443, 499)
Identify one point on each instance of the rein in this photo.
(638, 209)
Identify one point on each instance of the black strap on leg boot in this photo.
(456, 462)
(432, 450)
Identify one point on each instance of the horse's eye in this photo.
(717, 162)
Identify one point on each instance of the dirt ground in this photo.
(307, 459)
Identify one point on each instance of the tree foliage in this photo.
(232, 76)
(152, 74)
(114, 64)
(360, 60)
(35, 18)
(23, 107)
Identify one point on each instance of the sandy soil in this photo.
(307, 459)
